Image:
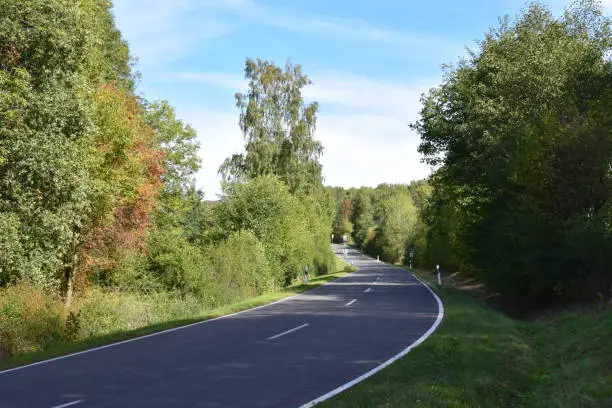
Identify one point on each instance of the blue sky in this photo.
(369, 62)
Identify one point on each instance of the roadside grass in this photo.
(62, 346)
(478, 357)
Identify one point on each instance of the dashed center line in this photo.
(367, 290)
(68, 404)
(351, 302)
(288, 331)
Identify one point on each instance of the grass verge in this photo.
(478, 357)
(63, 347)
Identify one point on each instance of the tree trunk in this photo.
(70, 272)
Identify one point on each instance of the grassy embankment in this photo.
(108, 317)
(478, 357)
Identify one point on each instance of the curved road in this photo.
(284, 354)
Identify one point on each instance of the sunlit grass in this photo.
(480, 358)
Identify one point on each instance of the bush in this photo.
(30, 319)
(180, 266)
(101, 313)
(240, 268)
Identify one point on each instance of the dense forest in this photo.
(520, 134)
(101, 226)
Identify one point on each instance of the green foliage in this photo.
(50, 184)
(524, 136)
(294, 231)
(265, 207)
(278, 129)
(384, 220)
(179, 265)
(30, 319)
(42, 113)
(45, 37)
(240, 268)
(177, 141)
(398, 227)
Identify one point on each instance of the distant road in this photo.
(281, 355)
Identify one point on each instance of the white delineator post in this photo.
(439, 276)
(411, 253)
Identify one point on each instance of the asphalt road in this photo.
(280, 355)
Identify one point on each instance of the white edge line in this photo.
(159, 332)
(289, 331)
(68, 404)
(393, 359)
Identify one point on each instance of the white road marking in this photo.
(160, 332)
(393, 359)
(367, 290)
(351, 302)
(68, 404)
(288, 331)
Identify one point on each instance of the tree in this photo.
(521, 132)
(265, 207)
(43, 115)
(79, 169)
(363, 215)
(398, 226)
(278, 129)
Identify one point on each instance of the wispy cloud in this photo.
(395, 99)
(161, 31)
(338, 88)
(319, 25)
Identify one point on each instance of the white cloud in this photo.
(158, 31)
(390, 98)
(366, 150)
(220, 137)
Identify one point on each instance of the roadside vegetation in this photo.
(479, 357)
(520, 133)
(109, 317)
(102, 229)
(519, 208)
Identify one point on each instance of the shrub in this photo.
(180, 266)
(240, 268)
(30, 319)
